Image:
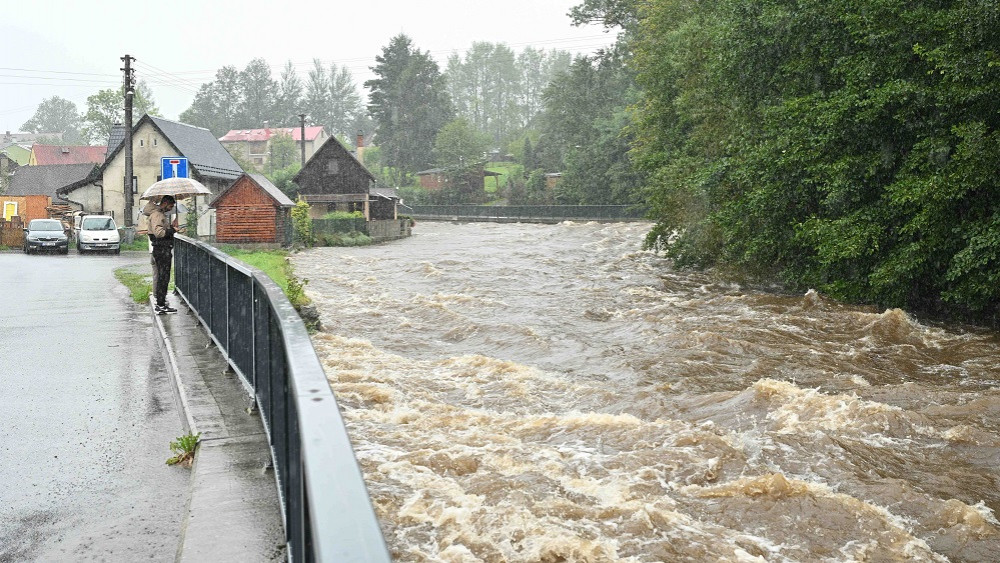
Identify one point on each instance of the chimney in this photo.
(361, 147)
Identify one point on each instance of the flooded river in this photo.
(552, 393)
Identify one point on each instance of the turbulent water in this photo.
(553, 393)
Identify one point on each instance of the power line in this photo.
(57, 72)
(163, 74)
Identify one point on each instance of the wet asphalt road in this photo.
(86, 416)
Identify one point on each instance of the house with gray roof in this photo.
(152, 139)
(45, 179)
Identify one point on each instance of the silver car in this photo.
(98, 233)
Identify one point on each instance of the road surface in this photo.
(87, 415)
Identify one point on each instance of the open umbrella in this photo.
(177, 187)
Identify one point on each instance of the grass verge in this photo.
(139, 285)
(275, 264)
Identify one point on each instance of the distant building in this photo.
(255, 144)
(46, 179)
(31, 191)
(436, 178)
(19, 154)
(152, 139)
(335, 180)
(29, 139)
(66, 154)
(432, 178)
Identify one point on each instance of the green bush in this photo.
(302, 224)
(344, 215)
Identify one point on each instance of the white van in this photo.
(97, 233)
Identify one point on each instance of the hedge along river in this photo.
(521, 392)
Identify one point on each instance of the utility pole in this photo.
(129, 91)
(302, 132)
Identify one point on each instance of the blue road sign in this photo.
(173, 167)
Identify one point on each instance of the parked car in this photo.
(46, 234)
(96, 233)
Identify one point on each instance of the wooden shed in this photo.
(252, 209)
(334, 180)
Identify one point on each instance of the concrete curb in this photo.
(233, 511)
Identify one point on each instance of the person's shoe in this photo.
(164, 309)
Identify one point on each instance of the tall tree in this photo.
(534, 78)
(289, 98)
(56, 115)
(592, 152)
(345, 103)
(317, 99)
(459, 149)
(107, 107)
(409, 103)
(204, 111)
(257, 90)
(229, 100)
(284, 151)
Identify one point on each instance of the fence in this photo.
(12, 232)
(327, 513)
(378, 230)
(528, 213)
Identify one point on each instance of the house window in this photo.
(135, 185)
(154, 141)
(142, 143)
(332, 167)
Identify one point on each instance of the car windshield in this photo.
(98, 224)
(45, 225)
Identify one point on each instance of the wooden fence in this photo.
(12, 232)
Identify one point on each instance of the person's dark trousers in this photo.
(161, 273)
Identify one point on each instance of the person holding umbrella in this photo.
(161, 237)
(161, 232)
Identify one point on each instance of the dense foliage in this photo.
(252, 98)
(592, 152)
(851, 147)
(56, 115)
(499, 91)
(409, 103)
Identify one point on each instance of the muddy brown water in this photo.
(522, 392)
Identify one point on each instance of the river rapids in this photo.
(536, 393)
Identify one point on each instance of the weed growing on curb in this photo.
(184, 447)
(139, 285)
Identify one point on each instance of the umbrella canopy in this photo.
(177, 187)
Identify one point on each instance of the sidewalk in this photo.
(233, 509)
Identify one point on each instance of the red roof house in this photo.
(249, 135)
(66, 154)
(255, 144)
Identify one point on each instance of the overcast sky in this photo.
(72, 49)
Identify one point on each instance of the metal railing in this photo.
(529, 213)
(328, 515)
